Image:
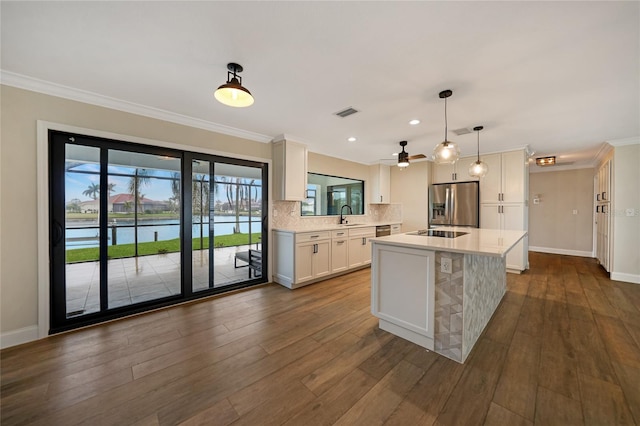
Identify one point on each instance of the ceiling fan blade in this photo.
(417, 156)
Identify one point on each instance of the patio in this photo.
(139, 279)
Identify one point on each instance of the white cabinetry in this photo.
(443, 173)
(507, 217)
(403, 292)
(289, 170)
(312, 256)
(602, 218)
(360, 246)
(503, 200)
(506, 179)
(339, 251)
(380, 184)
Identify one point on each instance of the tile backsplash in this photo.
(286, 214)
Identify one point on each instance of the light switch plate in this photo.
(445, 265)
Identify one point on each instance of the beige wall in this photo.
(18, 224)
(410, 187)
(318, 163)
(552, 224)
(626, 229)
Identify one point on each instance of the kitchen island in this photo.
(440, 291)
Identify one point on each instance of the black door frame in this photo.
(57, 141)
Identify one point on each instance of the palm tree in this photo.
(92, 191)
(141, 178)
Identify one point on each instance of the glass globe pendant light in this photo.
(446, 152)
(478, 168)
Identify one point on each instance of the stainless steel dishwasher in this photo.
(383, 230)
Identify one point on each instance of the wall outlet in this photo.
(445, 265)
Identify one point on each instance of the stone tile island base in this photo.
(441, 311)
(465, 300)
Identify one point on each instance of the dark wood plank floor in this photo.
(562, 348)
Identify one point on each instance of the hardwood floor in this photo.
(562, 348)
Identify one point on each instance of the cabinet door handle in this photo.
(597, 209)
(314, 236)
(340, 233)
(364, 241)
(604, 196)
(315, 248)
(598, 196)
(340, 242)
(603, 210)
(381, 198)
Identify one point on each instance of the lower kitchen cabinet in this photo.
(302, 258)
(507, 217)
(339, 251)
(313, 260)
(360, 246)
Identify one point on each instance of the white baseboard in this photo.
(561, 251)
(628, 278)
(18, 337)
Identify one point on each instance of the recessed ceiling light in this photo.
(414, 122)
(351, 139)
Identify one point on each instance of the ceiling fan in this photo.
(404, 157)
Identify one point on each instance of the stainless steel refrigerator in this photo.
(454, 204)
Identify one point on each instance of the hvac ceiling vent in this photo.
(346, 112)
(463, 131)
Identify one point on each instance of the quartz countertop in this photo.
(336, 226)
(487, 242)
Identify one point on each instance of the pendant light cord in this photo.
(478, 146)
(445, 121)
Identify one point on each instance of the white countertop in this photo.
(336, 226)
(487, 242)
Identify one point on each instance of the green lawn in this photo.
(157, 247)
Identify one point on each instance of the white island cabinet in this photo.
(440, 292)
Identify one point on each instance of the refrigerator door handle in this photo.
(453, 205)
(447, 200)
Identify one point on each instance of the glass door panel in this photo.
(200, 241)
(144, 227)
(236, 212)
(82, 230)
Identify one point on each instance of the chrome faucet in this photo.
(342, 218)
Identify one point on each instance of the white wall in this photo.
(626, 211)
(553, 227)
(410, 187)
(18, 188)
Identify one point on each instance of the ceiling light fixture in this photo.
(446, 152)
(478, 168)
(232, 93)
(546, 161)
(351, 139)
(403, 156)
(414, 122)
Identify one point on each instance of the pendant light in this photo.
(232, 93)
(478, 168)
(446, 152)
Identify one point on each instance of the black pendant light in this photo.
(478, 168)
(232, 93)
(446, 152)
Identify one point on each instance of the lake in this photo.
(167, 229)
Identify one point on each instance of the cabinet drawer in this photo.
(342, 233)
(369, 231)
(313, 236)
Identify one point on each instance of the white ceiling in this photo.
(561, 77)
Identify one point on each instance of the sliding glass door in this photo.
(129, 233)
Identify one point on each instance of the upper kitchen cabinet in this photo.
(289, 170)
(379, 184)
(505, 182)
(458, 172)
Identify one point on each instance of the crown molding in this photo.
(626, 141)
(41, 86)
